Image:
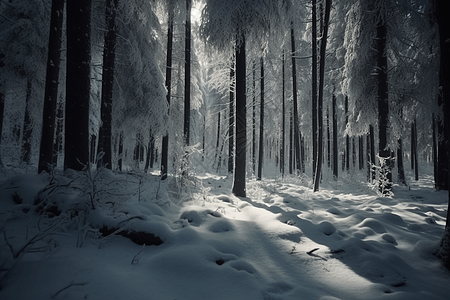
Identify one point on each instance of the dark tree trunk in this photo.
(2, 111)
(187, 75)
(323, 45)
(385, 182)
(77, 84)
(372, 151)
(109, 54)
(335, 140)
(298, 162)
(442, 9)
(217, 156)
(46, 155)
(347, 138)
(241, 123)
(27, 129)
(413, 154)
(400, 166)
(254, 120)
(165, 139)
(261, 124)
(283, 118)
(291, 140)
(435, 160)
(231, 129)
(328, 138)
(416, 157)
(314, 86)
(150, 153)
(58, 143)
(120, 152)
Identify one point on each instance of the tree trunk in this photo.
(150, 153)
(291, 140)
(347, 138)
(58, 142)
(323, 46)
(217, 156)
(165, 139)
(413, 154)
(27, 129)
(416, 158)
(372, 151)
(241, 123)
(231, 129)
(298, 162)
(328, 139)
(77, 84)
(442, 8)
(261, 124)
(120, 152)
(385, 181)
(435, 161)
(254, 120)
(109, 54)
(283, 118)
(400, 166)
(314, 86)
(46, 155)
(335, 140)
(187, 75)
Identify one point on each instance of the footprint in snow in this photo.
(221, 226)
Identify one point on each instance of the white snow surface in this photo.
(280, 242)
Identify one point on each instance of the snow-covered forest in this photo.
(211, 149)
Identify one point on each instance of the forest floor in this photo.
(280, 242)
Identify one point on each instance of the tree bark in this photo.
(239, 188)
(261, 124)
(298, 162)
(335, 140)
(27, 129)
(283, 118)
(347, 138)
(314, 86)
(231, 129)
(254, 119)
(168, 83)
(46, 155)
(187, 74)
(400, 165)
(109, 54)
(77, 84)
(323, 45)
(435, 161)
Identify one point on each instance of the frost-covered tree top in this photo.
(226, 22)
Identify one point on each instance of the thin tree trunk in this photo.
(400, 165)
(323, 46)
(27, 129)
(291, 140)
(120, 152)
(416, 158)
(261, 124)
(314, 86)
(187, 75)
(168, 83)
(328, 139)
(298, 162)
(372, 150)
(58, 142)
(413, 154)
(347, 138)
(46, 155)
(109, 55)
(254, 120)
(239, 188)
(77, 84)
(435, 161)
(283, 118)
(231, 130)
(335, 140)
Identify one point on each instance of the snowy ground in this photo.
(281, 242)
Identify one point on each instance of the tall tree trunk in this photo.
(283, 118)
(27, 129)
(187, 75)
(314, 86)
(150, 150)
(239, 188)
(335, 140)
(416, 157)
(298, 162)
(385, 181)
(328, 138)
(435, 160)
(46, 155)
(372, 152)
(347, 138)
(261, 124)
(291, 140)
(58, 142)
(442, 9)
(254, 119)
(413, 154)
(109, 54)
(77, 84)
(168, 83)
(361, 152)
(231, 129)
(217, 155)
(120, 153)
(323, 45)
